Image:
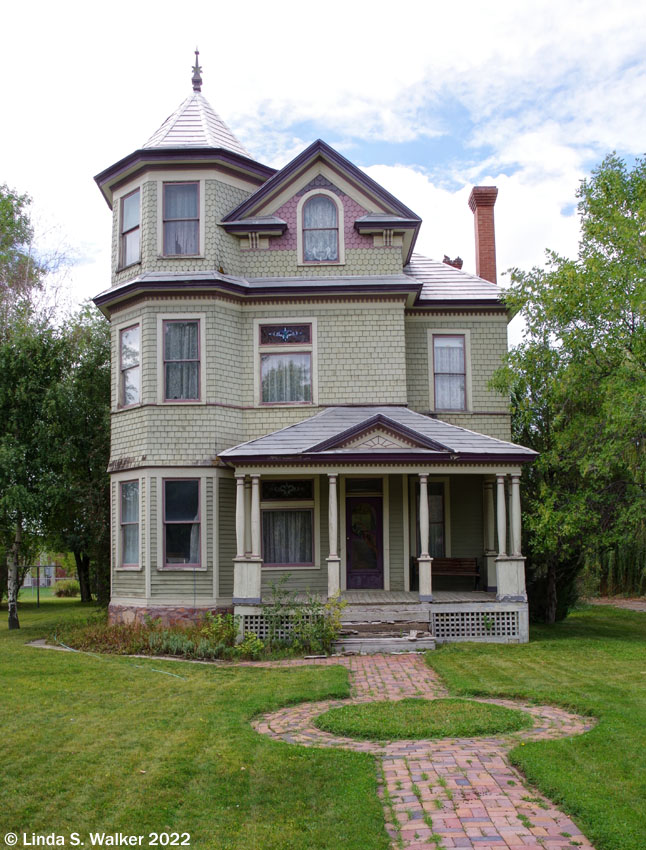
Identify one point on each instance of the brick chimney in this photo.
(481, 201)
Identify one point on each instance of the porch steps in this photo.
(393, 613)
(368, 638)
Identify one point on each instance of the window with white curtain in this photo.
(181, 359)
(285, 364)
(129, 521)
(130, 232)
(320, 230)
(181, 522)
(130, 366)
(449, 368)
(181, 219)
(287, 511)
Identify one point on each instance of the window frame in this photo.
(197, 218)
(165, 565)
(121, 388)
(161, 371)
(468, 396)
(261, 349)
(197, 360)
(123, 233)
(121, 565)
(340, 220)
(306, 230)
(309, 505)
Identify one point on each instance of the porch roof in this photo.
(376, 434)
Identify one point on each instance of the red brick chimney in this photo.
(481, 201)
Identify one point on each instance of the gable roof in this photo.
(195, 124)
(327, 436)
(259, 200)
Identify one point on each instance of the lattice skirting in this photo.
(508, 624)
(261, 626)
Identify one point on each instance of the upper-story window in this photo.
(181, 360)
(449, 372)
(130, 366)
(181, 219)
(130, 229)
(320, 230)
(285, 364)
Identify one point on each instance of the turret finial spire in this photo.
(197, 73)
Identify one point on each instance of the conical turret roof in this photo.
(195, 124)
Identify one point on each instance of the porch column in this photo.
(502, 516)
(515, 516)
(247, 567)
(333, 560)
(255, 517)
(424, 560)
(240, 517)
(489, 537)
(247, 508)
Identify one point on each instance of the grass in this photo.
(594, 663)
(113, 744)
(420, 718)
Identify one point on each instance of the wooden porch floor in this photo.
(402, 597)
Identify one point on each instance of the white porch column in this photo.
(489, 538)
(247, 508)
(424, 560)
(333, 560)
(240, 517)
(247, 568)
(502, 516)
(515, 516)
(255, 517)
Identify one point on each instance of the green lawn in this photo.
(108, 744)
(594, 662)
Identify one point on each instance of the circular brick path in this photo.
(450, 792)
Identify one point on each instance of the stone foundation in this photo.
(169, 616)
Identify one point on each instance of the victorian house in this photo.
(297, 393)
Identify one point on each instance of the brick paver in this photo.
(451, 792)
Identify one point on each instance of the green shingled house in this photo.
(297, 393)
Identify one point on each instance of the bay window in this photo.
(181, 359)
(181, 514)
(130, 366)
(285, 364)
(181, 218)
(287, 511)
(129, 523)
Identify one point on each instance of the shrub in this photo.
(70, 587)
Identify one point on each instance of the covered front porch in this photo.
(405, 528)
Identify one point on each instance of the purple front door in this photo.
(364, 540)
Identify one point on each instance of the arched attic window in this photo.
(320, 230)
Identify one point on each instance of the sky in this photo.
(428, 98)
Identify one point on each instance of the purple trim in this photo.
(385, 224)
(198, 563)
(144, 156)
(380, 419)
(424, 458)
(246, 600)
(198, 361)
(122, 565)
(358, 579)
(243, 227)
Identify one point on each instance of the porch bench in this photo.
(467, 567)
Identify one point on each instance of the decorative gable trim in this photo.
(379, 425)
(379, 438)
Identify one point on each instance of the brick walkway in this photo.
(444, 793)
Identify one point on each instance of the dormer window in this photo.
(130, 232)
(320, 230)
(181, 219)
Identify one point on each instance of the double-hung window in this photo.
(130, 366)
(130, 229)
(320, 230)
(181, 522)
(181, 350)
(181, 219)
(129, 522)
(449, 367)
(285, 364)
(287, 510)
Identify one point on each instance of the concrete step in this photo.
(396, 629)
(367, 645)
(394, 613)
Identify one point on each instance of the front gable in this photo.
(368, 217)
